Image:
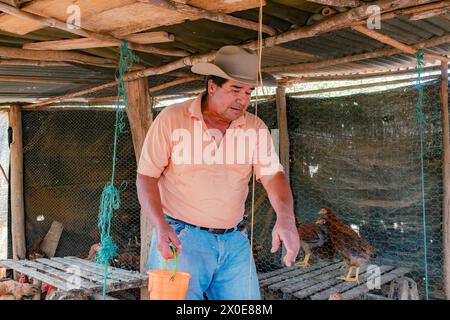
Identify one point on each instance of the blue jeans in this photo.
(219, 263)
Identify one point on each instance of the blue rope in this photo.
(421, 120)
(110, 199)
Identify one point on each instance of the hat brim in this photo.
(210, 69)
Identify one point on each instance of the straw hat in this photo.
(234, 63)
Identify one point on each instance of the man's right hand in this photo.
(166, 237)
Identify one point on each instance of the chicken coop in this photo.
(359, 118)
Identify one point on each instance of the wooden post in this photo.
(445, 176)
(16, 180)
(283, 137)
(139, 111)
(282, 125)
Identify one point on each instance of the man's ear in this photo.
(212, 87)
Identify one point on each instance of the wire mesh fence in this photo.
(357, 155)
(67, 162)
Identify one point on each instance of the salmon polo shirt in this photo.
(203, 180)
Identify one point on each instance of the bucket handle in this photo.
(175, 269)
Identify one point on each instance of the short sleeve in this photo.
(156, 150)
(265, 159)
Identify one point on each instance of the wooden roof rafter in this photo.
(198, 13)
(55, 23)
(338, 21)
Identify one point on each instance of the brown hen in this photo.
(313, 238)
(353, 248)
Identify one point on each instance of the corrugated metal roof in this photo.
(202, 36)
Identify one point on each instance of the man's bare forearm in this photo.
(150, 199)
(280, 196)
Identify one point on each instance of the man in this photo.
(193, 176)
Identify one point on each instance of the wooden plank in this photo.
(264, 276)
(194, 13)
(96, 278)
(16, 178)
(338, 3)
(300, 278)
(58, 274)
(329, 284)
(51, 239)
(137, 21)
(114, 271)
(99, 271)
(311, 285)
(295, 273)
(87, 43)
(56, 9)
(344, 286)
(67, 267)
(385, 278)
(31, 272)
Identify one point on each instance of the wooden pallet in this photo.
(318, 281)
(75, 278)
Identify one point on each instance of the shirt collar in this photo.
(195, 111)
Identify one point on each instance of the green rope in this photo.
(110, 198)
(421, 120)
(175, 269)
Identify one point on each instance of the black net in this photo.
(67, 162)
(359, 156)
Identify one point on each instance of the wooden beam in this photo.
(396, 44)
(428, 14)
(54, 23)
(302, 67)
(87, 43)
(194, 13)
(283, 127)
(289, 81)
(175, 83)
(139, 113)
(338, 3)
(57, 56)
(410, 11)
(16, 178)
(34, 63)
(352, 87)
(71, 95)
(445, 176)
(26, 79)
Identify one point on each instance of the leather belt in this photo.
(240, 226)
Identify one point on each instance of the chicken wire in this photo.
(359, 155)
(67, 162)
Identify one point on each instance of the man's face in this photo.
(231, 100)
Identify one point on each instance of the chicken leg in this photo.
(348, 277)
(305, 262)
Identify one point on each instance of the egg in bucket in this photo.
(168, 284)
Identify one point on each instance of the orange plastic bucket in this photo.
(168, 284)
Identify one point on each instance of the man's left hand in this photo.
(285, 231)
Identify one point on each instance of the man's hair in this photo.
(217, 80)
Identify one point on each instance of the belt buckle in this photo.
(216, 231)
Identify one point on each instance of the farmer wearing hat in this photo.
(193, 177)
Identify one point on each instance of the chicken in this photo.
(311, 236)
(13, 290)
(353, 248)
